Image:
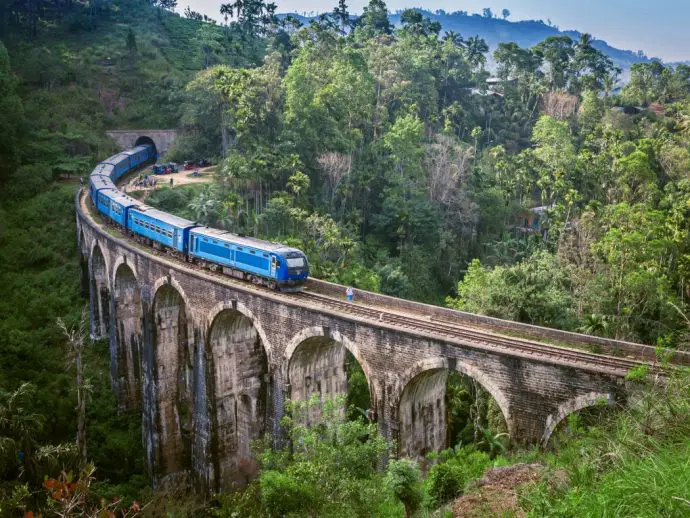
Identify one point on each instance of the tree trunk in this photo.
(81, 410)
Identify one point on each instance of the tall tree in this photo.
(77, 342)
(131, 47)
(374, 20)
(11, 116)
(476, 48)
(342, 15)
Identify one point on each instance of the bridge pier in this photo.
(99, 297)
(126, 337)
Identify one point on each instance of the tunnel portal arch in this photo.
(145, 140)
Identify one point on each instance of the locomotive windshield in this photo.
(295, 262)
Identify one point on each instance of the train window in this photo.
(265, 255)
(227, 245)
(252, 252)
(206, 240)
(215, 242)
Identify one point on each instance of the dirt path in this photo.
(163, 180)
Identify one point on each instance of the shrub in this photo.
(444, 482)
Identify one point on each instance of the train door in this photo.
(273, 266)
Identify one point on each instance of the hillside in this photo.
(525, 33)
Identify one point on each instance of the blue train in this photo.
(261, 262)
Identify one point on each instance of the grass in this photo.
(636, 463)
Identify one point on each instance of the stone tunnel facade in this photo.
(163, 139)
(210, 363)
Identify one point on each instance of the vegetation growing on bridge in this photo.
(382, 154)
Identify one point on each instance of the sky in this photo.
(658, 28)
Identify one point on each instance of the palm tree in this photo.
(475, 48)
(585, 41)
(494, 442)
(205, 206)
(454, 37)
(226, 11)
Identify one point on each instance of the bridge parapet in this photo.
(520, 330)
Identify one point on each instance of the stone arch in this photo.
(238, 306)
(123, 260)
(145, 140)
(127, 338)
(315, 360)
(237, 393)
(421, 403)
(322, 331)
(99, 298)
(172, 374)
(574, 405)
(96, 249)
(170, 280)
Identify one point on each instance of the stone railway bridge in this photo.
(209, 360)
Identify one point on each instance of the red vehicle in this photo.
(189, 165)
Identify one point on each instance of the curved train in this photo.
(262, 262)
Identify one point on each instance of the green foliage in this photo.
(403, 479)
(330, 467)
(632, 463)
(448, 479)
(536, 290)
(445, 482)
(637, 373)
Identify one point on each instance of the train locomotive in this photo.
(262, 262)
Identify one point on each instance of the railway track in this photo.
(458, 331)
(409, 322)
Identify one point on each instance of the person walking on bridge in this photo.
(349, 293)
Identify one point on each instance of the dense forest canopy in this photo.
(539, 191)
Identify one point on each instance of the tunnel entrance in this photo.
(146, 141)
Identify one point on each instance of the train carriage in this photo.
(103, 199)
(120, 206)
(139, 155)
(121, 165)
(263, 262)
(97, 183)
(160, 227)
(103, 169)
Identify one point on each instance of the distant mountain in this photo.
(525, 33)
